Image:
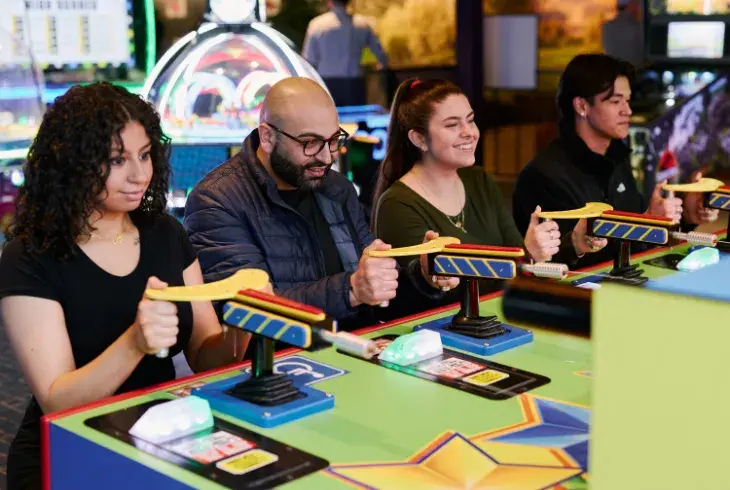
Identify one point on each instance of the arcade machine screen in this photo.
(59, 31)
(695, 136)
(695, 39)
(77, 41)
(696, 42)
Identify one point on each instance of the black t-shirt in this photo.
(305, 203)
(98, 308)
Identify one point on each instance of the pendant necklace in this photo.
(458, 220)
(116, 239)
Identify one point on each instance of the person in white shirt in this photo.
(333, 45)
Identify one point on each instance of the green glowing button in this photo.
(413, 347)
(698, 259)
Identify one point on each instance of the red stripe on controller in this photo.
(486, 248)
(724, 188)
(278, 300)
(638, 215)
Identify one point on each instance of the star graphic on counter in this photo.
(549, 424)
(452, 461)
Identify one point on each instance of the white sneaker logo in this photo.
(621, 187)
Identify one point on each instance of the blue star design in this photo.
(558, 426)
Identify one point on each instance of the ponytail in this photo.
(412, 108)
(400, 153)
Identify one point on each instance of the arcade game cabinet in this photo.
(682, 124)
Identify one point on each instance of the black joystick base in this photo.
(482, 327)
(265, 388)
(468, 322)
(268, 391)
(623, 272)
(629, 275)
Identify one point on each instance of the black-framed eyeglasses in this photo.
(313, 146)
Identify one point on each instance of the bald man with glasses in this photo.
(277, 206)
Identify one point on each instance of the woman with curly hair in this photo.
(91, 233)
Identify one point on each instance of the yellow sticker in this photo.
(247, 462)
(486, 377)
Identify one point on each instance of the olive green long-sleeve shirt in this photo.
(403, 216)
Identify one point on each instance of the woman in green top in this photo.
(428, 180)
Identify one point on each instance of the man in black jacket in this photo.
(276, 206)
(590, 162)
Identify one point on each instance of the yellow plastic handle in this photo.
(434, 246)
(590, 210)
(224, 289)
(704, 185)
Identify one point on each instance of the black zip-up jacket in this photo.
(567, 175)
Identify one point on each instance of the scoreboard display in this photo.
(63, 33)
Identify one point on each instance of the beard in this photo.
(294, 174)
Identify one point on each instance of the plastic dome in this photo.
(210, 87)
(21, 89)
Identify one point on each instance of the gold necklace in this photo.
(458, 220)
(116, 239)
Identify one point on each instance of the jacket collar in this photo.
(340, 11)
(332, 188)
(590, 161)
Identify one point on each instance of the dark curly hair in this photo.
(68, 164)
